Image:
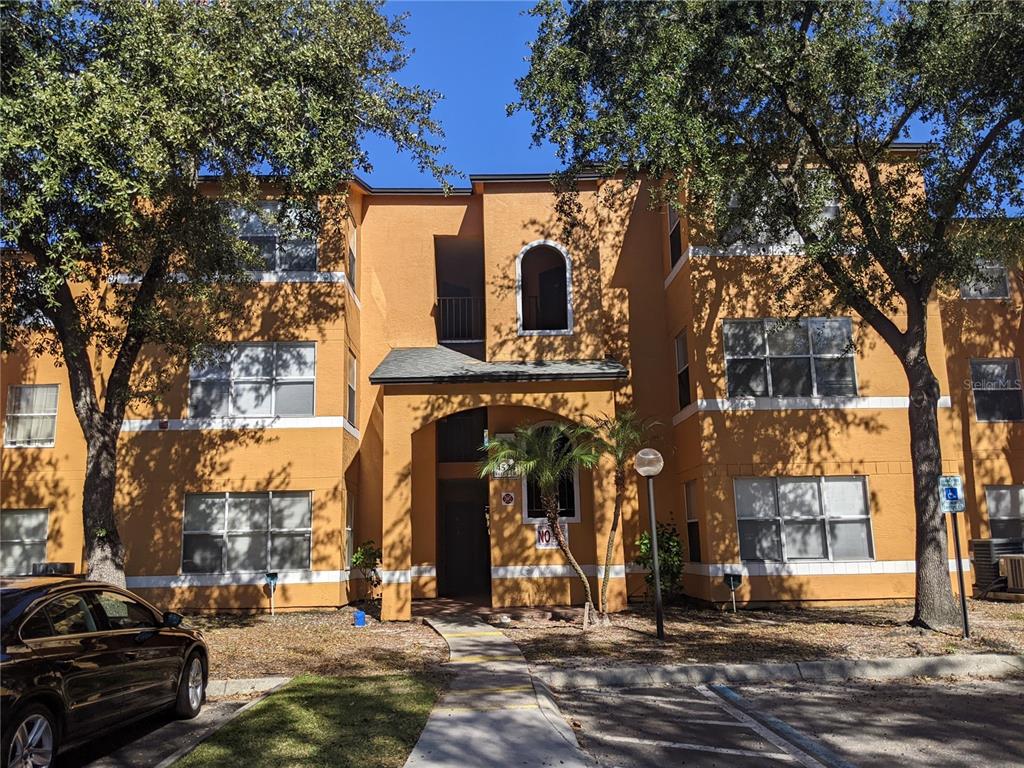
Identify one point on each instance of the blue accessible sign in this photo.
(951, 494)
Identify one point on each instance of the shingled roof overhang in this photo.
(440, 365)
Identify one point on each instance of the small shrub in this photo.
(366, 559)
(670, 560)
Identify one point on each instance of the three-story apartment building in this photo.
(375, 363)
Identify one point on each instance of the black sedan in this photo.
(79, 658)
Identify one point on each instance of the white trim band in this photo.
(238, 422)
(559, 571)
(841, 403)
(290, 276)
(825, 568)
(235, 579)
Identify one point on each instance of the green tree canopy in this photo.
(781, 123)
(112, 110)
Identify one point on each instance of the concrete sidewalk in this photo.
(631, 676)
(493, 715)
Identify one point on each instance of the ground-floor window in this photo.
(692, 524)
(1005, 510)
(22, 540)
(803, 518)
(567, 507)
(247, 532)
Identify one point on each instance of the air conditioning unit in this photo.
(985, 555)
(1012, 567)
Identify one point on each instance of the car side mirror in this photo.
(172, 619)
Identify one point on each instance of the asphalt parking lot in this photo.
(864, 724)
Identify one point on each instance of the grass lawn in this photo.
(696, 635)
(314, 721)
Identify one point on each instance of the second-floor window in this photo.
(352, 255)
(31, 415)
(997, 390)
(352, 403)
(272, 379)
(683, 371)
(283, 248)
(675, 237)
(993, 282)
(767, 358)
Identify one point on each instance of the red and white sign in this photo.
(546, 537)
(508, 499)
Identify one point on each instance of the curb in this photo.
(977, 665)
(548, 704)
(217, 689)
(185, 750)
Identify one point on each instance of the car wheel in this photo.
(31, 739)
(191, 688)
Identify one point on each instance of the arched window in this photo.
(544, 289)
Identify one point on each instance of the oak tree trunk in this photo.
(934, 604)
(549, 499)
(104, 550)
(620, 490)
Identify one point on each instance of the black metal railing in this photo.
(460, 318)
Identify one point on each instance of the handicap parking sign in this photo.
(951, 494)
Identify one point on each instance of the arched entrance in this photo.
(463, 537)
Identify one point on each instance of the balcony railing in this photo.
(460, 318)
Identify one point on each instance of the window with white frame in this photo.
(283, 247)
(803, 358)
(991, 282)
(22, 540)
(683, 371)
(675, 237)
(31, 415)
(803, 518)
(997, 390)
(350, 527)
(352, 401)
(1005, 511)
(692, 524)
(247, 532)
(352, 257)
(567, 507)
(271, 379)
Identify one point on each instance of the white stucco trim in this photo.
(839, 403)
(291, 276)
(238, 422)
(678, 267)
(568, 289)
(559, 571)
(825, 568)
(395, 577)
(423, 570)
(235, 579)
(351, 428)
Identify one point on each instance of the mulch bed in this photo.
(696, 635)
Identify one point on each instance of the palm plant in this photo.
(620, 437)
(545, 454)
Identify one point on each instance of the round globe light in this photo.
(648, 462)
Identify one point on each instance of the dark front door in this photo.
(464, 544)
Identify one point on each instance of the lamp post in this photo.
(648, 463)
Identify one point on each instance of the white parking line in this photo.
(691, 747)
(791, 752)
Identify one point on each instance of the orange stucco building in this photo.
(351, 403)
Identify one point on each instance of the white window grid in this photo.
(352, 404)
(225, 376)
(36, 541)
(271, 235)
(994, 283)
(1012, 384)
(825, 515)
(13, 400)
(225, 533)
(767, 325)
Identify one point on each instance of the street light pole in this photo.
(649, 464)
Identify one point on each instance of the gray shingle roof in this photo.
(432, 365)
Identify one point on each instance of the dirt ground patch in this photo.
(696, 635)
(316, 642)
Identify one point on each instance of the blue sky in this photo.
(472, 52)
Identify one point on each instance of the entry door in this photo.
(465, 544)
